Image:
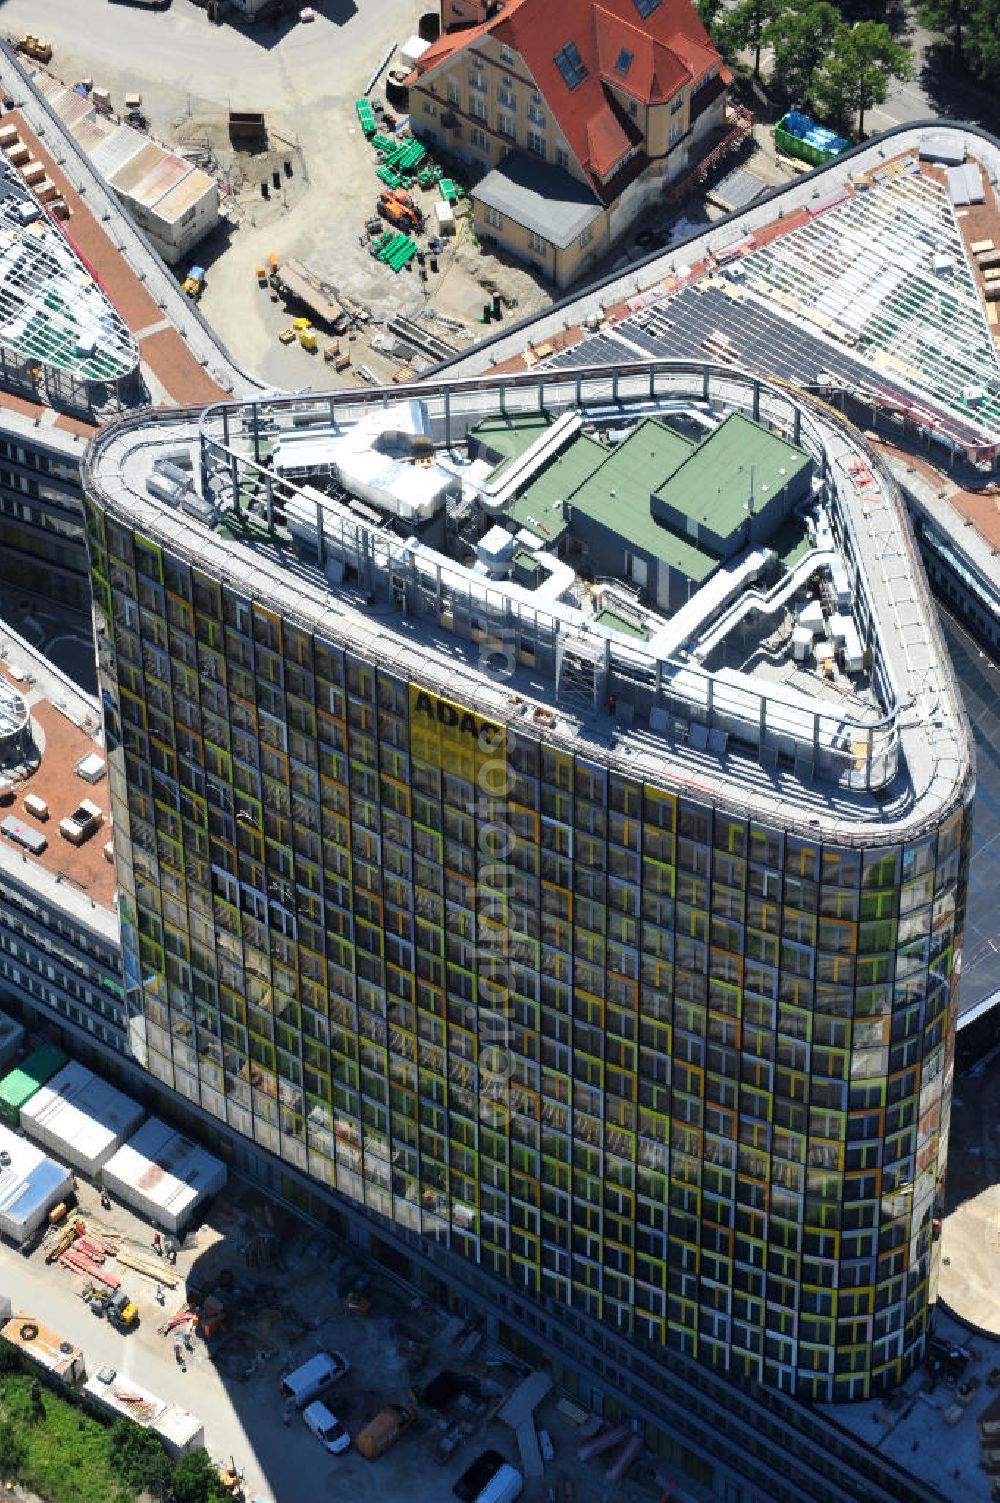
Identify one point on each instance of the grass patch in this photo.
(52, 1445)
(67, 1452)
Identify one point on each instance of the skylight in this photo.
(624, 62)
(646, 7)
(571, 65)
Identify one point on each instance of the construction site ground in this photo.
(282, 1282)
(305, 79)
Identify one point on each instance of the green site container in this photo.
(20, 1085)
(366, 117)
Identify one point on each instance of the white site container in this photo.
(30, 1185)
(91, 768)
(80, 1118)
(180, 1431)
(35, 806)
(163, 1175)
(802, 641)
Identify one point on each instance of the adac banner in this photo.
(451, 736)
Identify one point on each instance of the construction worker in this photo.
(159, 1294)
(179, 1353)
(157, 1245)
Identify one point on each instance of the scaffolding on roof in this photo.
(886, 273)
(51, 309)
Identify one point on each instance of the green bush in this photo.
(196, 1480)
(139, 1457)
(13, 1451)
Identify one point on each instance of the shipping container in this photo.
(21, 1084)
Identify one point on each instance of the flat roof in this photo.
(863, 771)
(617, 494)
(69, 726)
(541, 197)
(539, 506)
(510, 435)
(713, 483)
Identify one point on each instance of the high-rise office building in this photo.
(542, 812)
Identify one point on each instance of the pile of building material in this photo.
(163, 1175)
(81, 1118)
(86, 1254)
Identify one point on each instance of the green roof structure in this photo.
(21, 1084)
(539, 505)
(617, 496)
(510, 435)
(713, 484)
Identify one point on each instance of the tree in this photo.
(973, 29)
(949, 17)
(856, 76)
(197, 1481)
(743, 26)
(800, 38)
(139, 1457)
(708, 14)
(13, 1451)
(981, 42)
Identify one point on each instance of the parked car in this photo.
(477, 1475)
(326, 1427)
(384, 1430)
(313, 1378)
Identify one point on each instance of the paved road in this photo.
(148, 1360)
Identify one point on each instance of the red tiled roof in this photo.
(670, 48)
(607, 142)
(654, 72)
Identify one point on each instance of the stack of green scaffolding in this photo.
(394, 248)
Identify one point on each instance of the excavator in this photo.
(114, 1305)
(400, 210)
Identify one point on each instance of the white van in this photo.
(503, 1487)
(313, 1378)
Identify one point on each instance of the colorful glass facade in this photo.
(684, 1070)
